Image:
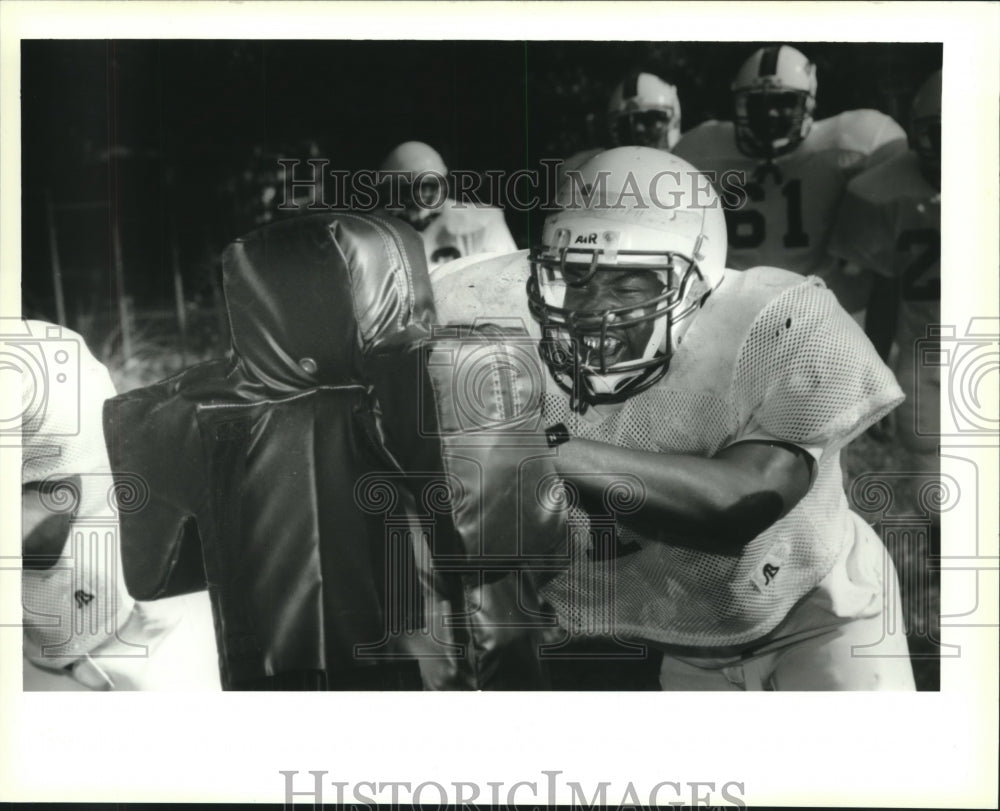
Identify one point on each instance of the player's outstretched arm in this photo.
(717, 504)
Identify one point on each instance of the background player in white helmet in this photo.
(702, 413)
(795, 169)
(890, 225)
(81, 628)
(643, 110)
(450, 229)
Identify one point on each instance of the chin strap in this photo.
(609, 383)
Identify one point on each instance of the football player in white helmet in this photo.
(774, 96)
(664, 264)
(697, 417)
(890, 225)
(794, 169)
(450, 229)
(643, 110)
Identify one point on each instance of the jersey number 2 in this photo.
(747, 228)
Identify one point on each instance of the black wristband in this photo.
(557, 434)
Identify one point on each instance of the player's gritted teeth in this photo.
(612, 290)
(612, 350)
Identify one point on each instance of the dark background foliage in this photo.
(170, 138)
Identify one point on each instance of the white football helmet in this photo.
(925, 127)
(774, 96)
(644, 111)
(656, 221)
(416, 157)
(422, 188)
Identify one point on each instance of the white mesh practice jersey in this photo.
(81, 600)
(465, 230)
(890, 223)
(785, 217)
(770, 355)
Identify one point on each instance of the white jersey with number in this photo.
(80, 601)
(465, 229)
(771, 355)
(786, 215)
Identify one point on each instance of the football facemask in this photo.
(652, 128)
(774, 94)
(606, 354)
(770, 124)
(644, 111)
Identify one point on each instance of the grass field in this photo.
(156, 355)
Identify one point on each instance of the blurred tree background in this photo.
(141, 160)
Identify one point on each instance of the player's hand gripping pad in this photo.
(252, 462)
(462, 414)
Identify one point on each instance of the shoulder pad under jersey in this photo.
(753, 288)
(895, 178)
(469, 217)
(807, 374)
(856, 132)
(730, 310)
(708, 142)
(867, 130)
